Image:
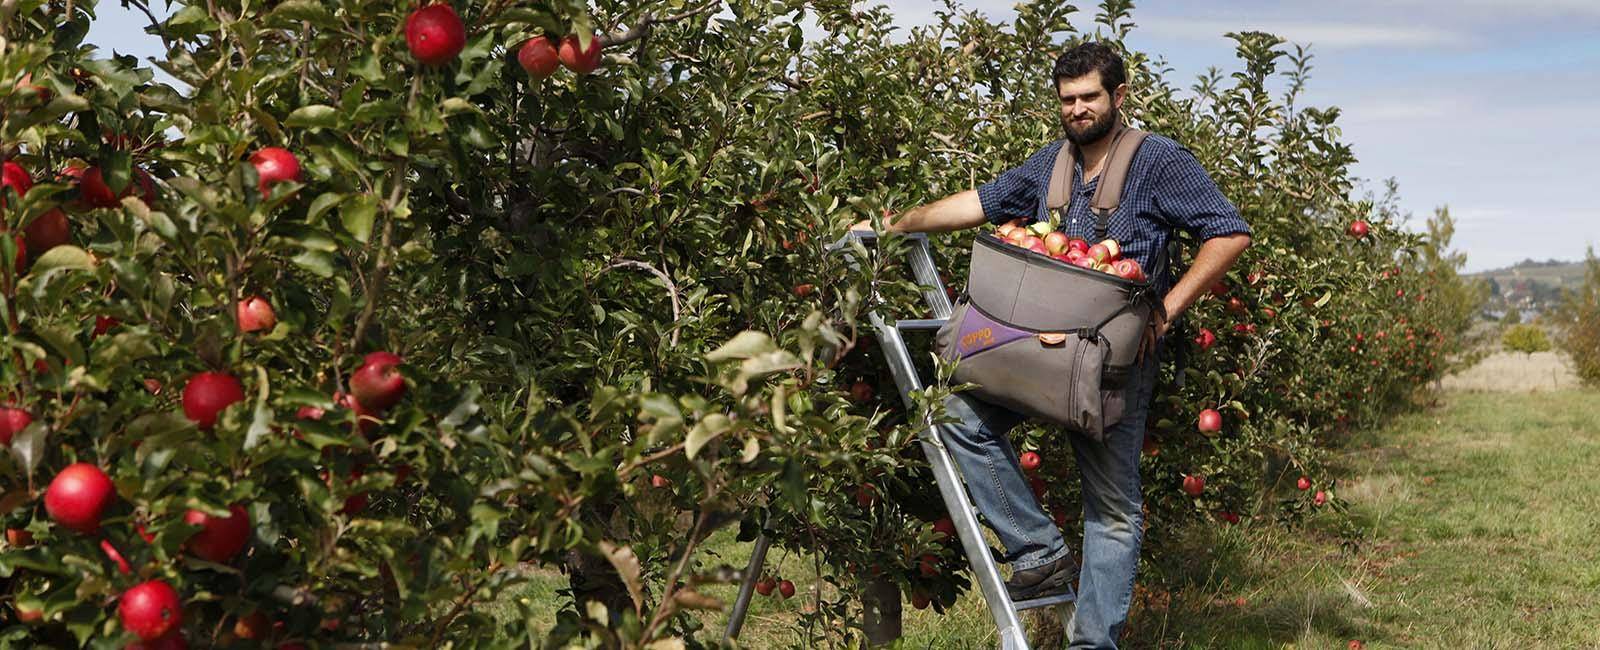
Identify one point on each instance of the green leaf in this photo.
(744, 345)
(317, 262)
(314, 116)
(28, 446)
(322, 204)
(704, 431)
(358, 215)
(63, 257)
(261, 418)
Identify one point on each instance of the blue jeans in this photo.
(1112, 503)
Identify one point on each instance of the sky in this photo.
(1487, 106)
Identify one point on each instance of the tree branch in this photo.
(672, 288)
(649, 21)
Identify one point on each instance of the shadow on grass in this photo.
(1252, 586)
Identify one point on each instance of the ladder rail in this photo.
(952, 489)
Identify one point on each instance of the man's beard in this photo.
(1092, 133)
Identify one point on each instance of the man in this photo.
(1166, 188)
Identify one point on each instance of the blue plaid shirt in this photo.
(1166, 188)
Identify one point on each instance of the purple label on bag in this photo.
(979, 333)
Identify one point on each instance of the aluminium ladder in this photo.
(985, 571)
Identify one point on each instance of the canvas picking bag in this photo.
(1045, 338)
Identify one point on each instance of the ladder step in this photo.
(1047, 601)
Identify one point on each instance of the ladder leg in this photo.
(985, 572)
(752, 573)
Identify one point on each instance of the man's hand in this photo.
(1156, 330)
(862, 225)
(1211, 262)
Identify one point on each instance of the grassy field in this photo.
(1516, 372)
(1476, 527)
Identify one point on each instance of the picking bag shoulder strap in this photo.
(1113, 177)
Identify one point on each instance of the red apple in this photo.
(1017, 235)
(93, 190)
(207, 394)
(103, 324)
(1237, 306)
(435, 34)
(1210, 421)
(866, 495)
(42, 94)
(1193, 485)
(12, 422)
(1128, 269)
(803, 290)
(1219, 288)
(1031, 461)
(1151, 447)
(786, 588)
(1085, 261)
(77, 495)
(860, 392)
(1206, 339)
(29, 615)
(1304, 483)
(660, 482)
(378, 384)
(274, 165)
(920, 599)
(48, 231)
(255, 314)
(538, 57)
(18, 537)
(765, 586)
(1099, 252)
(1037, 485)
(1320, 498)
(580, 60)
(13, 175)
(1113, 249)
(252, 626)
(1034, 244)
(1056, 242)
(1229, 517)
(1079, 245)
(150, 609)
(946, 528)
(1358, 229)
(364, 419)
(928, 565)
(219, 538)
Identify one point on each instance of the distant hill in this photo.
(1530, 284)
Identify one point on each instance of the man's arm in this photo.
(958, 211)
(1211, 262)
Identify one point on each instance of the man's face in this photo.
(1087, 110)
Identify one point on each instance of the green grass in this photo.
(1476, 525)
(1478, 529)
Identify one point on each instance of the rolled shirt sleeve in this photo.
(1017, 193)
(1187, 198)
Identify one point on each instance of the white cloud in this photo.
(1324, 35)
(1515, 10)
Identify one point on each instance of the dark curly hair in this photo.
(1089, 56)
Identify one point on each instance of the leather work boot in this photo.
(1046, 580)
